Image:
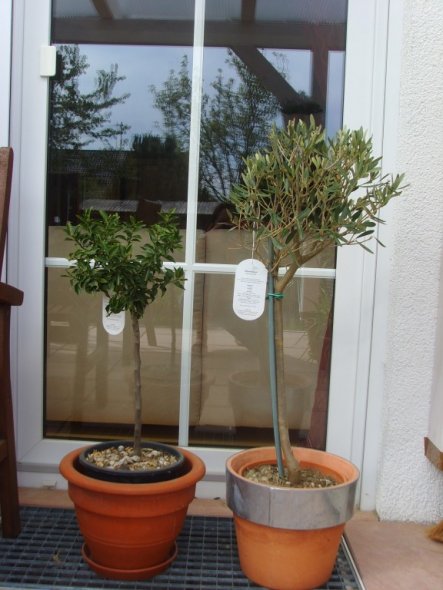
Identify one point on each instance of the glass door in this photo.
(119, 140)
(153, 107)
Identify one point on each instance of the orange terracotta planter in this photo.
(288, 539)
(130, 529)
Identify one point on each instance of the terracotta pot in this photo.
(130, 530)
(288, 538)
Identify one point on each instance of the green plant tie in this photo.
(274, 295)
(273, 373)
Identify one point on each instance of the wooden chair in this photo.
(9, 296)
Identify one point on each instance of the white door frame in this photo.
(5, 68)
(365, 90)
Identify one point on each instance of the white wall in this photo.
(409, 486)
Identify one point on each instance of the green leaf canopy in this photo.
(113, 258)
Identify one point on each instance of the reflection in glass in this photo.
(108, 149)
(262, 67)
(119, 140)
(89, 373)
(235, 407)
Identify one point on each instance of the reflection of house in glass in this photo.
(119, 181)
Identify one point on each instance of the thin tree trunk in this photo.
(137, 386)
(292, 464)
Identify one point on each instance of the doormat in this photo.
(46, 555)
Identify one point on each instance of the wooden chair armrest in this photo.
(10, 295)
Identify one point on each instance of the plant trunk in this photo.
(137, 385)
(292, 465)
(291, 462)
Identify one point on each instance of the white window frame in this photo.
(5, 68)
(350, 408)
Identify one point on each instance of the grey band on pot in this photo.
(294, 509)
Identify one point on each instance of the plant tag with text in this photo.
(113, 323)
(250, 289)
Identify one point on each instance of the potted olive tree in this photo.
(303, 194)
(131, 497)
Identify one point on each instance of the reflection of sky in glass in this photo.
(144, 66)
(295, 64)
(317, 11)
(335, 96)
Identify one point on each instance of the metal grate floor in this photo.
(46, 555)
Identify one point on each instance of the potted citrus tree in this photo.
(301, 195)
(131, 497)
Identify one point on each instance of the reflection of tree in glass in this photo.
(174, 102)
(153, 146)
(80, 118)
(237, 115)
(154, 158)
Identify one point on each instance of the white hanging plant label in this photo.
(113, 323)
(251, 278)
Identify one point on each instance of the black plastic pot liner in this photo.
(47, 555)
